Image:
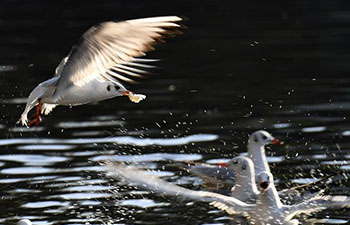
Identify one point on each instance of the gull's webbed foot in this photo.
(35, 119)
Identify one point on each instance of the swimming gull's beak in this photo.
(222, 164)
(276, 142)
(264, 185)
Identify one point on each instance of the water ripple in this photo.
(89, 202)
(34, 160)
(81, 196)
(45, 204)
(26, 170)
(149, 157)
(313, 129)
(46, 147)
(304, 180)
(12, 180)
(24, 129)
(7, 68)
(25, 191)
(86, 188)
(81, 124)
(142, 203)
(123, 140)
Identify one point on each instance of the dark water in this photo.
(239, 67)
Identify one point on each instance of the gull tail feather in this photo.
(41, 90)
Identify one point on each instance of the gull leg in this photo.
(35, 119)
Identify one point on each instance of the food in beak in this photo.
(136, 98)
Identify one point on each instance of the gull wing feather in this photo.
(229, 209)
(155, 184)
(61, 66)
(318, 203)
(47, 108)
(109, 45)
(292, 196)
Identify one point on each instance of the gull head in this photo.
(265, 179)
(262, 138)
(241, 165)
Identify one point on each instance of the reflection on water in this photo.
(240, 67)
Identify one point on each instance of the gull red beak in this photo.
(222, 164)
(125, 93)
(277, 142)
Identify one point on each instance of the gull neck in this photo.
(245, 187)
(257, 153)
(270, 197)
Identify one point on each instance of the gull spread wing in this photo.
(316, 204)
(153, 183)
(111, 50)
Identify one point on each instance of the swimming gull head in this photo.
(262, 138)
(264, 180)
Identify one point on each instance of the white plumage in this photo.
(106, 55)
(266, 210)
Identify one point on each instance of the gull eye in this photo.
(244, 166)
(264, 137)
(234, 162)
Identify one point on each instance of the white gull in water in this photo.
(268, 208)
(93, 70)
(245, 184)
(222, 175)
(244, 188)
(256, 149)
